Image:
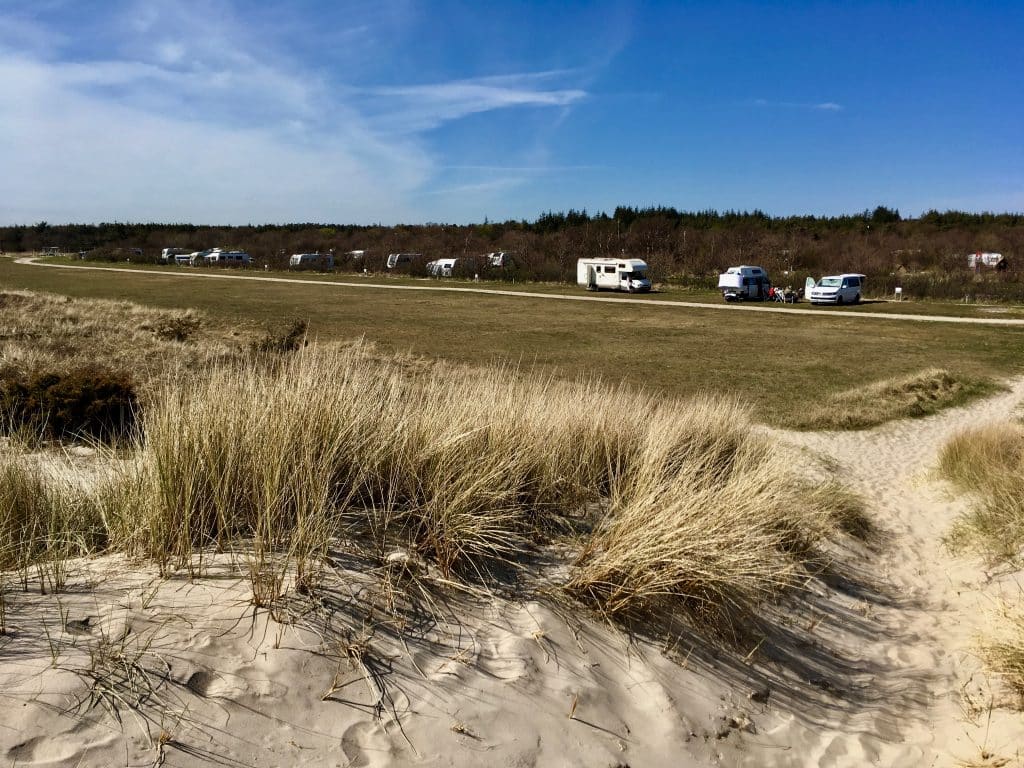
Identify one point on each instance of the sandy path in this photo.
(925, 636)
(30, 260)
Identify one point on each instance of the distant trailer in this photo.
(399, 259)
(991, 260)
(318, 261)
(170, 255)
(441, 267)
(613, 274)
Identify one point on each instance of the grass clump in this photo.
(988, 463)
(906, 397)
(44, 521)
(708, 518)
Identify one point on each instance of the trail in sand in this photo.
(927, 635)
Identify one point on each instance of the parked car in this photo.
(838, 289)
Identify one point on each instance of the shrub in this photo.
(87, 403)
(290, 340)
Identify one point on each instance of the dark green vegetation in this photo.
(85, 403)
(782, 364)
(925, 256)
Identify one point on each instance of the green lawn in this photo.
(779, 362)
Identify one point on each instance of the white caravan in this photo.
(318, 261)
(613, 274)
(219, 256)
(441, 267)
(498, 259)
(744, 282)
(395, 259)
(838, 289)
(172, 255)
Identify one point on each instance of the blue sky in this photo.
(398, 111)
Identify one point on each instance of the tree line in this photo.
(927, 254)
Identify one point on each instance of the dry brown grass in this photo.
(1003, 651)
(904, 397)
(41, 331)
(988, 463)
(709, 517)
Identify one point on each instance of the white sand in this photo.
(872, 666)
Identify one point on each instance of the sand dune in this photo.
(870, 665)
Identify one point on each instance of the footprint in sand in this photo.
(366, 744)
(219, 685)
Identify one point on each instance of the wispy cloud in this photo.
(823, 106)
(417, 108)
(180, 110)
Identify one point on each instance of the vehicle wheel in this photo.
(856, 299)
(839, 300)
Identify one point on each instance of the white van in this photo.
(744, 282)
(614, 274)
(838, 289)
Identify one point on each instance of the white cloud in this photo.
(422, 107)
(181, 111)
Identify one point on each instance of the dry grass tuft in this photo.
(988, 462)
(907, 397)
(708, 517)
(44, 521)
(1004, 652)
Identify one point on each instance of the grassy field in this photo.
(780, 364)
(871, 305)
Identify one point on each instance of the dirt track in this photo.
(530, 295)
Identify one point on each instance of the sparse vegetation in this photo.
(988, 463)
(1003, 652)
(904, 397)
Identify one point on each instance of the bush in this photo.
(86, 403)
(289, 341)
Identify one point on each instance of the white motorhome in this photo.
(613, 274)
(318, 261)
(396, 259)
(744, 282)
(441, 267)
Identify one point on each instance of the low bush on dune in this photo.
(907, 397)
(88, 403)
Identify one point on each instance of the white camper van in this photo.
(396, 259)
(318, 261)
(613, 274)
(744, 283)
(441, 267)
(838, 289)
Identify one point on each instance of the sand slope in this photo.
(870, 665)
